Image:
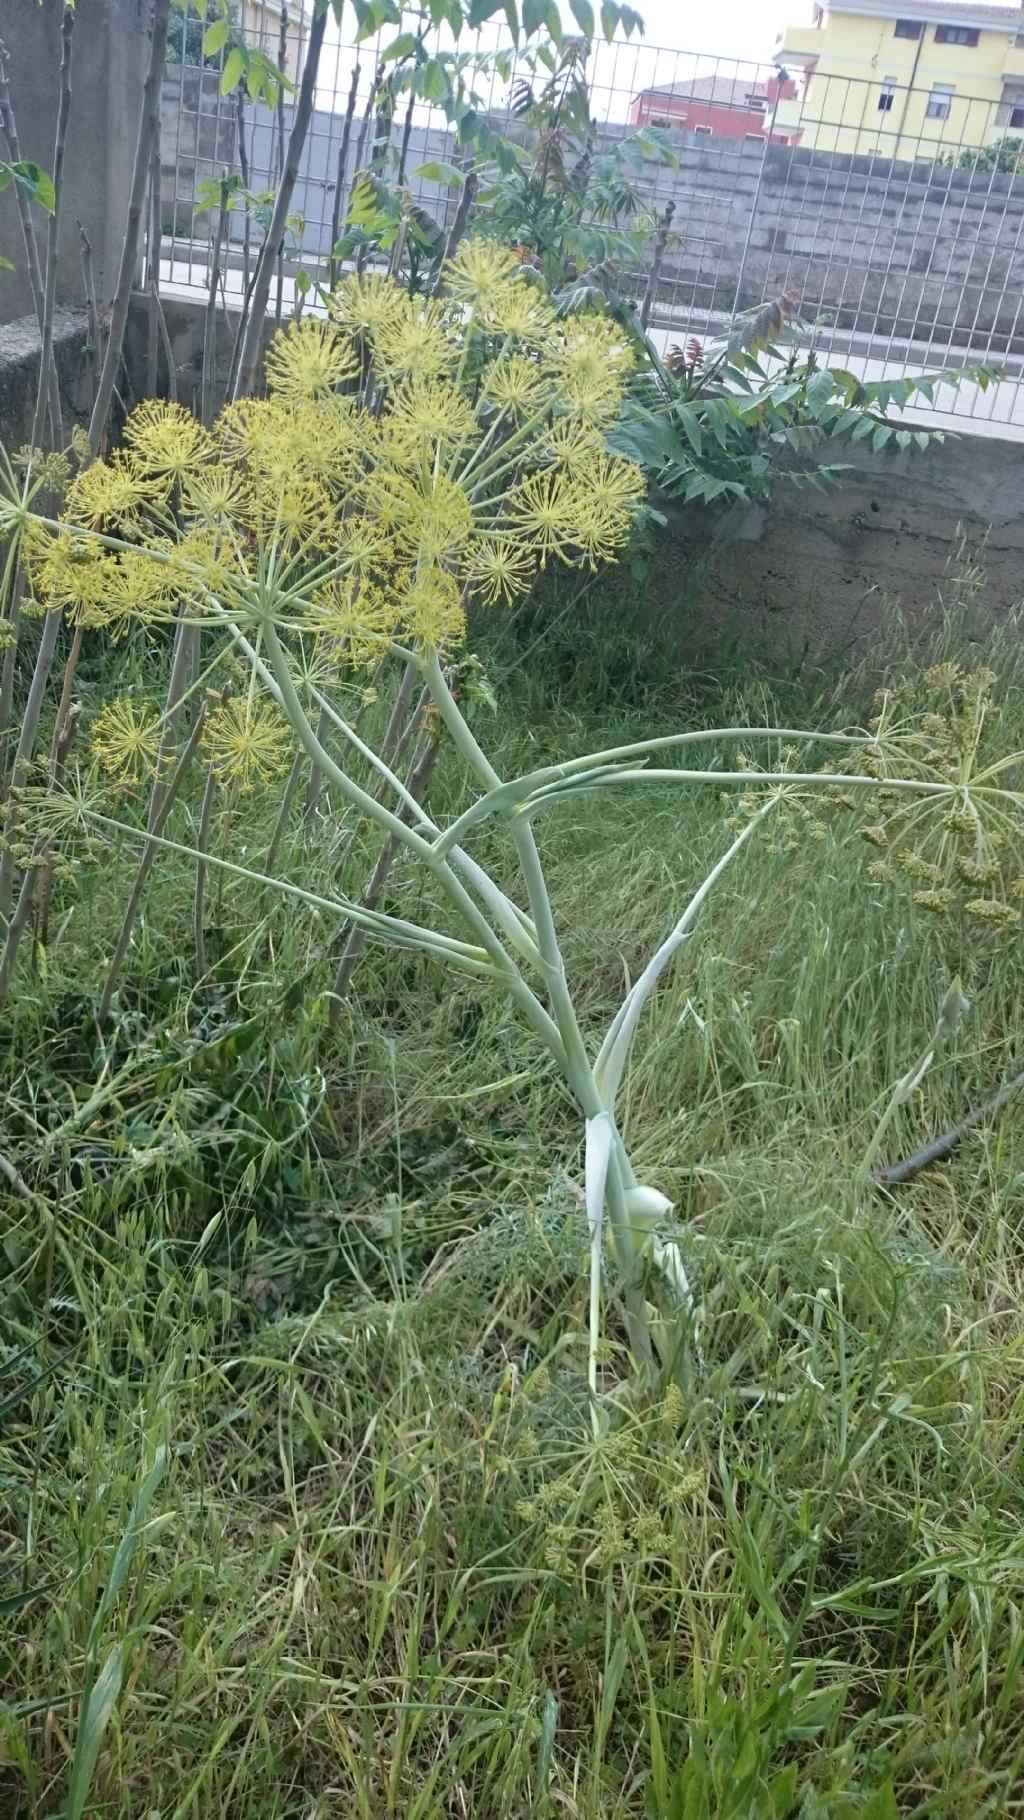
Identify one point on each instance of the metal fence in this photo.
(890, 220)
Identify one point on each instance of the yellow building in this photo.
(904, 78)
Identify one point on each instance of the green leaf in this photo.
(553, 21)
(583, 13)
(96, 1716)
(372, 16)
(882, 435)
(631, 22)
(439, 172)
(534, 15)
(881, 1806)
(609, 18)
(216, 36)
(17, 1601)
(6, 265)
(482, 10)
(32, 181)
(432, 82)
(233, 71)
(127, 1545)
(405, 45)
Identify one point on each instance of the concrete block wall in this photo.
(20, 349)
(913, 251)
(107, 73)
(199, 136)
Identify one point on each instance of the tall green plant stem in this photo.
(278, 671)
(578, 1071)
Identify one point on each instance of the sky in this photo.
(742, 31)
(734, 28)
(682, 39)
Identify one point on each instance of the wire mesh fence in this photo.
(891, 217)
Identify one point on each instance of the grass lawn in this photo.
(298, 1477)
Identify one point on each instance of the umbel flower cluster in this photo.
(960, 853)
(412, 456)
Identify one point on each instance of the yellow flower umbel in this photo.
(514, 383)
(166, 442)
(310, 360)
(125, 740)
(961, 852)
(247, 742)
(498, 570)
(482, 272)
(114, 495)
(590, 366)
(412, 455)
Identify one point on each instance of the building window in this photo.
(939, 103)
(908, 28)
(887, 95)
(1017, 116)
(668, 121)
(957, 34)
(706, 130)
(758, 138)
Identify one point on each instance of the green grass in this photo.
(340, 1277)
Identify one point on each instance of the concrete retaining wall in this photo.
(815, 578)
(108, 59)
(19, 373)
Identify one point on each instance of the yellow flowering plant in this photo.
(413, 459)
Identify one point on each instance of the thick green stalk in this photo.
(392, 929)
(277, 672)
(614, 1052)
(578, 1071)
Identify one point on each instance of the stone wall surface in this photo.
(107, 72)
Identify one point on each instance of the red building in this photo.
(725, 107)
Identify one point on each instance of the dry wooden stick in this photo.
(17, 1182)
(153, 273)
(208, 382)
(149, 128)
(44, 397)
(653, 276)
(941, 1147)
(249, 357)
(89, 292)
(459, 225)
(339, 185)
(9, 128)
(146, 865)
